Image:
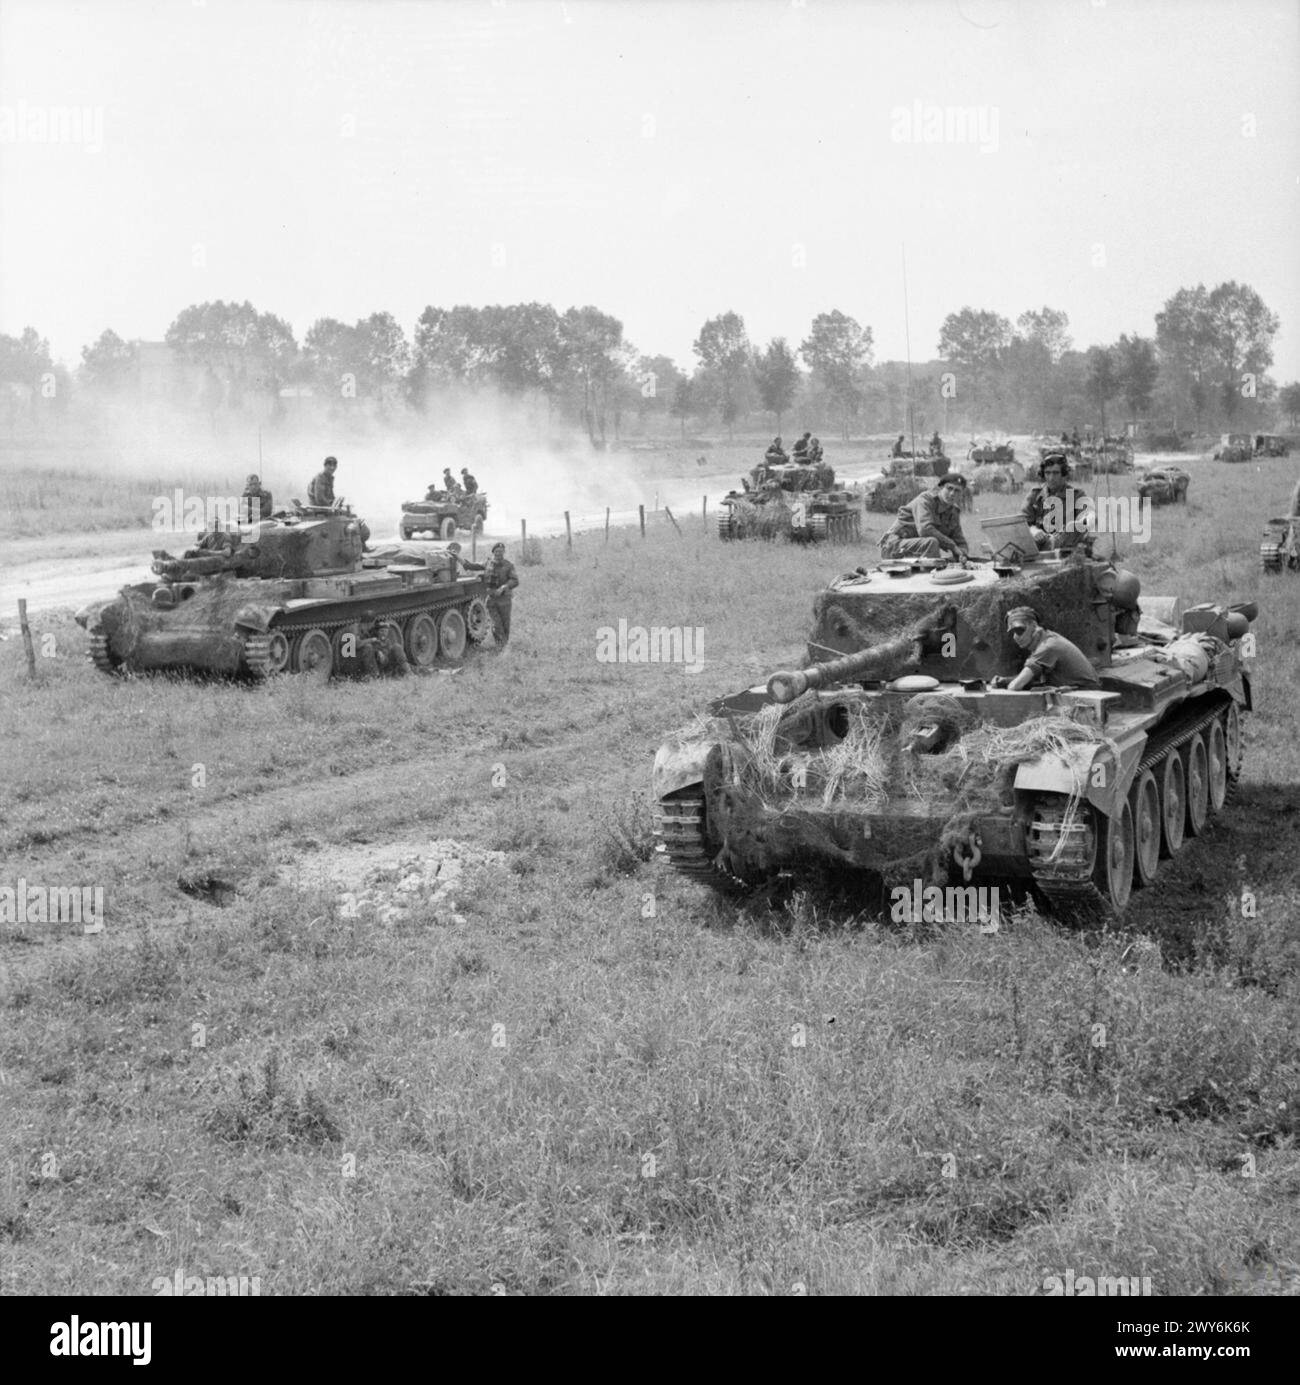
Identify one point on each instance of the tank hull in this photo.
(930, 776)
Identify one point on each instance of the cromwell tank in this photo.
(794, 500)
(892, 753)
(295, 592)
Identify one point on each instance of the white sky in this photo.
(658, 158)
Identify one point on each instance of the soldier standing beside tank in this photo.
(1050, 659)
(258, 503)
(930, 525)
(501, 578)
(1055, 511)
(321, 490)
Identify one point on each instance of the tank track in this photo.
(100, 654)
(1066, 882)
(838, 528)
(256, 648)
(679, 825)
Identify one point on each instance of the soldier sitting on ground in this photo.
(1050, 659)
(930, 525)
(1055, 511)
(320, 492)
(258, 500)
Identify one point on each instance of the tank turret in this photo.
(293, 593)
(899, 751)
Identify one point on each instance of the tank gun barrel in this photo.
(886, 660)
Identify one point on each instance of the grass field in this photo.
(577, 1073)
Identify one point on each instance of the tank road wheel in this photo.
(422, 640)
(1216, 751)
(1145, 804)
(451, 635)
(101, 653)
(313, 654)
(679, 825)
(1197, 769)
(819, 527)
(726, 526)
(447, 529)
(266, 655)
(1232, 742)
(1112, 872)
(478, 623)
(855, 526)
(1173, 803)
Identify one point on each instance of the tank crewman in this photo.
(468, 484)
(501, 578)
(259, 504)
(800, 452)
(930, 525)
(321, 490)
(449, 482)
(1050, 659)
(1052, 510)
(814, 451)
(936, 445)
(775, 452)
(898, 447)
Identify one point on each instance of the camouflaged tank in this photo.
(292, 593)
(793, 500)
(892, 753)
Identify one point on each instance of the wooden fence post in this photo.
(641, 508)
(704, 513)
(568, 531)
(674, 523)
(27, 636)
(606, 523)
(523, 538)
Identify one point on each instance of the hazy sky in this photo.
(664, 161)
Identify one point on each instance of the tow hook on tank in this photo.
(967, 855)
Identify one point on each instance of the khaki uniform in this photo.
(258, 503)
(1056, 520)
(497, 572)
(1060, 664)
(321, 490)
(926, 527)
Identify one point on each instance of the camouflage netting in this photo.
(784, 801)
(858, 617)
(888, 495)
(766, 520)
(201, 629)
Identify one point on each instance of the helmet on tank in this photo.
(1125, 590)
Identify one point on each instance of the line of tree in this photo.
(1206, 365)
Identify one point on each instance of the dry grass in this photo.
(605, 1078)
